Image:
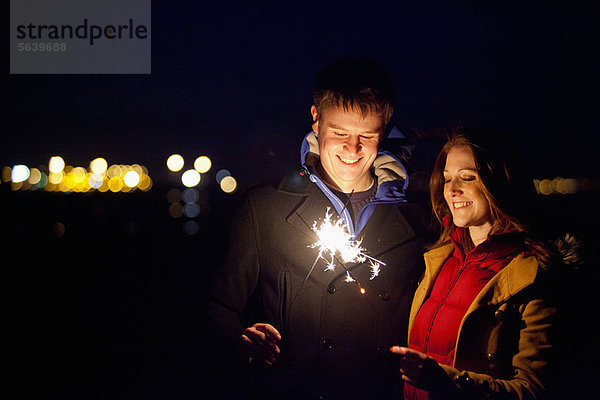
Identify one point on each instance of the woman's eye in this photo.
(468, 178)
(446, 180)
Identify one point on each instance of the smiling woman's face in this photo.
(463, 190)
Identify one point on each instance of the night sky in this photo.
(233, 80)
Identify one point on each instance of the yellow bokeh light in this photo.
(35, 176)
(98, 165)
(6, 173)
(145, 183)
(115, 184)
(55, 177)
(228, 184)
(77, 174)
(114, 171)
(131, 178)
(202, 164)
(56, 164)
(190, 178)
(175, 162)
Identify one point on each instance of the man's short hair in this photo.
(359, 84)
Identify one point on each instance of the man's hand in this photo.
(259, 343)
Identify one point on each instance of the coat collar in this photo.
(517, 275)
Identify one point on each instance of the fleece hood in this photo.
(392, 181)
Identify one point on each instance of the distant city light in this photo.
(175, 162)
(35, 176)
(202, 164)
(20, 173)
(175, 210)
(222, 174)
(145, 183)
(55, 177)
(6, 174)
(95, 180)
(191, 227)
(228, 184)
(190, 178)
(131, 178)
(191, 210)
(190, 195)
(115, 184)
(98, 166)
(56, 164)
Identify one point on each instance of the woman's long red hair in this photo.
(504, 183)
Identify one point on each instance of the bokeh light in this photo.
(6, 174)
(115, 184)
(222, 174)
(35, 176)
(175, 162)
(145, 183)
(191, 227)
(174, 195)
(175, 210)
(131, 179)
(98, 166)
(95, 180)
(202, 164)
(56, 164)
(20, 173)
(191, 210)
(190, 195)
(190, 178)
(228, 184)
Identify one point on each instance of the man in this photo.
(305, 332)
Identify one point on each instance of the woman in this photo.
(480, 322)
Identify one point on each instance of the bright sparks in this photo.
(334, 240)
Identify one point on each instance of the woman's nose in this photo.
(455, 187)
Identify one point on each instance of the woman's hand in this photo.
(259, 343)
(422, 371)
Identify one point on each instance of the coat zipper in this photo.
(440, 304)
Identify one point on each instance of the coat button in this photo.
(499, 315)
(464, 380)
(327, 344)
(384, 295)
(331, 289)
(492, 357)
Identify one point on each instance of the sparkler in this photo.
(334, 241)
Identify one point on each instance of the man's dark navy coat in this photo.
(335, 340)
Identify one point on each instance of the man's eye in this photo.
(339, 134)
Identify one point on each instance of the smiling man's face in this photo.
(348, 143)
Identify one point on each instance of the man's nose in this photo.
(352, 144)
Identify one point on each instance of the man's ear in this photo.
(315, 117)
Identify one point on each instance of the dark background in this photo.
(109, 309)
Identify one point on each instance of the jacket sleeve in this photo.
(530, 364)
(235, 280)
